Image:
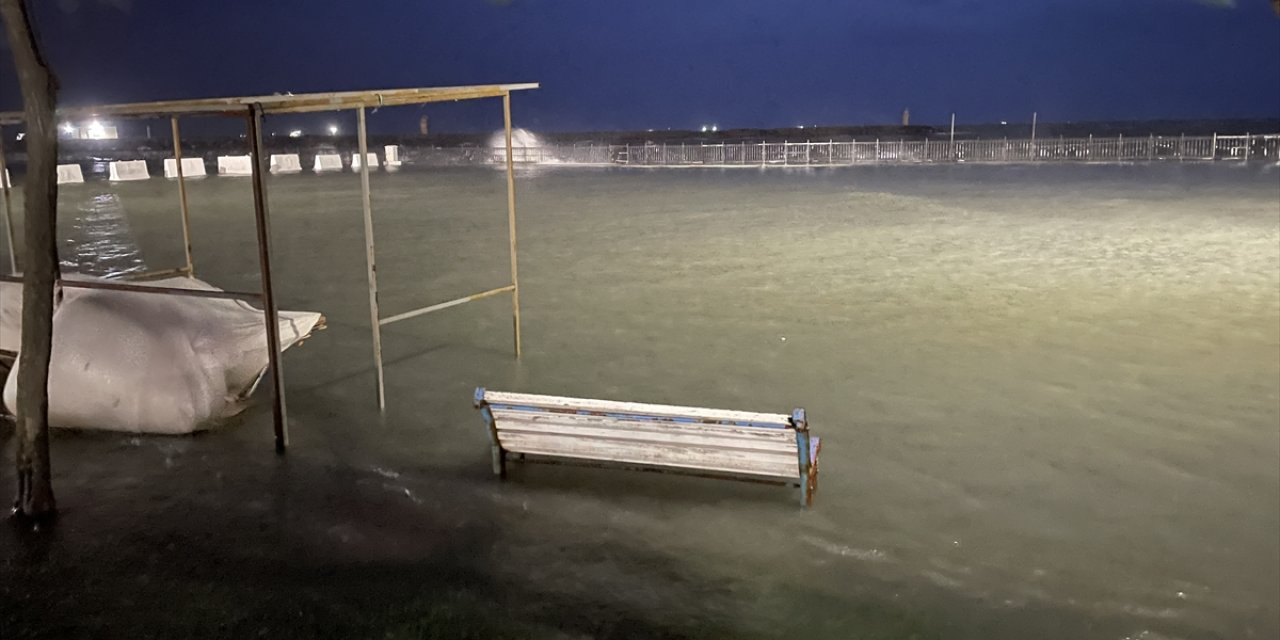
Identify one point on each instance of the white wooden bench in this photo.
(740, 445)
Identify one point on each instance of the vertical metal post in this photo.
(6, 207)
(1182, 146)
(262, 218)
(926, 147)
(801, 426)
(511, 224)
(1246, 146)
(182, 196)
(370, 258)
(952, 139)
(1213, 148)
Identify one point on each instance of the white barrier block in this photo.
(327, 162)
(372, 159)
(285, 163)
(191, 167)
(392, 153)
(70, 174)
(235, 165)
(128, 170)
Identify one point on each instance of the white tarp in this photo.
(392, 153)
(327, 162)
(128, 170)
(145, 362)
(70, 174)
(371, 157)
(191, 167)
(285, 163)
(235, 165)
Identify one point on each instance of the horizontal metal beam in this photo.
(283, 103)
(142, 288)
(151, 275)
(445, 305)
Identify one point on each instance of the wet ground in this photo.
(1049, 399)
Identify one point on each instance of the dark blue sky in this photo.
(680, 63)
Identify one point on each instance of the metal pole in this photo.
(370, 259)
(268, 291)
(182, 196)
(1035, 119)
(7, 209)
(1213, 149)
(511, 223)
(952, 139)
(1246, 146)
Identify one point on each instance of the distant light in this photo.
(96, 131)
(20, 136)
(715, 128)
(68, 128)
(296, 133)
(1003, 122)
(704, 128)
(333, 129)
(649, 130)
(801, 126)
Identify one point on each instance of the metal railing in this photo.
(834, 153)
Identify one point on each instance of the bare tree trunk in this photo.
(39, 96)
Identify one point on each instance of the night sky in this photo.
(680, 64)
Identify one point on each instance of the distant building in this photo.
(422, 125)
(906, 117)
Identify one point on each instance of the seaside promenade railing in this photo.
(834, 153)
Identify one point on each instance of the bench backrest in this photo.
(692, 438)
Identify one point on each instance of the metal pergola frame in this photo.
(252, 109)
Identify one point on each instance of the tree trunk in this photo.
(39, 96)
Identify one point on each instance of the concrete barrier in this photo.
(372, 158)
(70, 174)
(235, 165)
(327, 162)
(191, 167)
(285, 163)
(392, 153)
(123, 170)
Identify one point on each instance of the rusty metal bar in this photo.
(159, 273)
(511, 224)
(6, 208)
(261, 216)
(445, 305)
(182, 196)
(283, 103)
(142, 288)
(370, 256)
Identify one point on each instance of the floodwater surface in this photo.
(1049, 399)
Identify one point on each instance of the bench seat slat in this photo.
(759, 463)
(775, 420)
(601, 426)
(640, 439)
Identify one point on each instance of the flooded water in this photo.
(1049, 399)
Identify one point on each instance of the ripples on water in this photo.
(1049, 397)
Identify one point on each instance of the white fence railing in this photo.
(830, 152)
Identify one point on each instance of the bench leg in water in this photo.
(499, 461)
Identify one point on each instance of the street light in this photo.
(333, 129)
